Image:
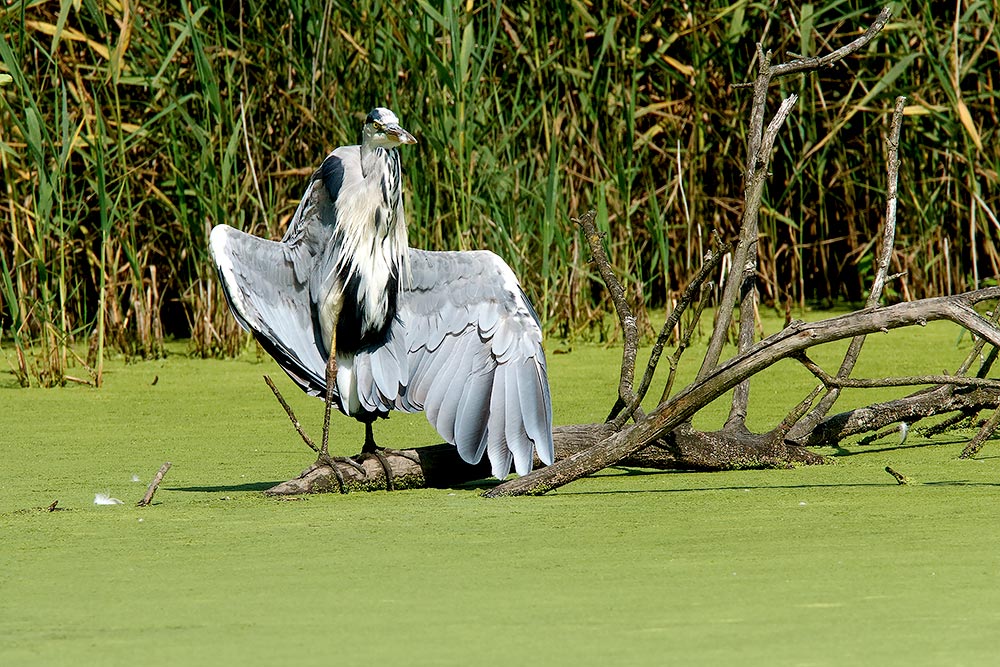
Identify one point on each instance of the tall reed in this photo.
(128, 130)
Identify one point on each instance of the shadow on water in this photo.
(860, 450)
(768, 487)
(249, 486)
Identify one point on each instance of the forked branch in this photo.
(792, 340)
(630, 329)
(881, 274)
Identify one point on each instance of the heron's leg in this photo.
(331, 383)
(370, 447)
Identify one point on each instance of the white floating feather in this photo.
(105, 499)
(904, 430)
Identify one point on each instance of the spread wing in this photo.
(269, 301)
(273, 288)
(466, 348)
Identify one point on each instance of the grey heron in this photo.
(449, 333)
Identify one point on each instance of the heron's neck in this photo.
(373, 259)
(381, 171)
(373, 159)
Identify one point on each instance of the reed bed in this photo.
(128, 130)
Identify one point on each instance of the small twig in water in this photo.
(148, 498)
(900, 478)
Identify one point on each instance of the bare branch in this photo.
(779, 432)
(793, 339)
(625, 317)
(685, 341)
(977, 349)
(985, 432)
(748, 288)
(800, 64)
(711, 263)
(901, 381)
(928, 402)
(759, 145)
(881, 273)
(291, 416)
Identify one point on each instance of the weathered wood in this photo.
(439, 466)
(432, 466)
(793, 339)
(936, 401)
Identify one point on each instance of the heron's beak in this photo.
(399, 134)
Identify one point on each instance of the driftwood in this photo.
(439, 466)
(664, 438)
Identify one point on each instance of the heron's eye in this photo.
(378, 126)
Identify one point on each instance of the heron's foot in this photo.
(374, 451)
(388, 451)
(332, 461)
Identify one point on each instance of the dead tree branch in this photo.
(685, 341)
(439, 466)
(795, 338)
(741, 288)
(747, 285)
(711, 263)
(800, 64)
(882, 270)
(985, 432)
(905, 381)
(630, 330)
(939, 400)
(291, 415)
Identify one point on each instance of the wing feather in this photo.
(268, 300)
(474, 360)
(517, 439)
(447, 388)
(386, 370)
(472, 415)
(496, 440)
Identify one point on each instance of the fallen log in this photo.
(439, 466)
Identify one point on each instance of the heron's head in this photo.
(382, 130)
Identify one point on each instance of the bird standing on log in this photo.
(449, 333)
